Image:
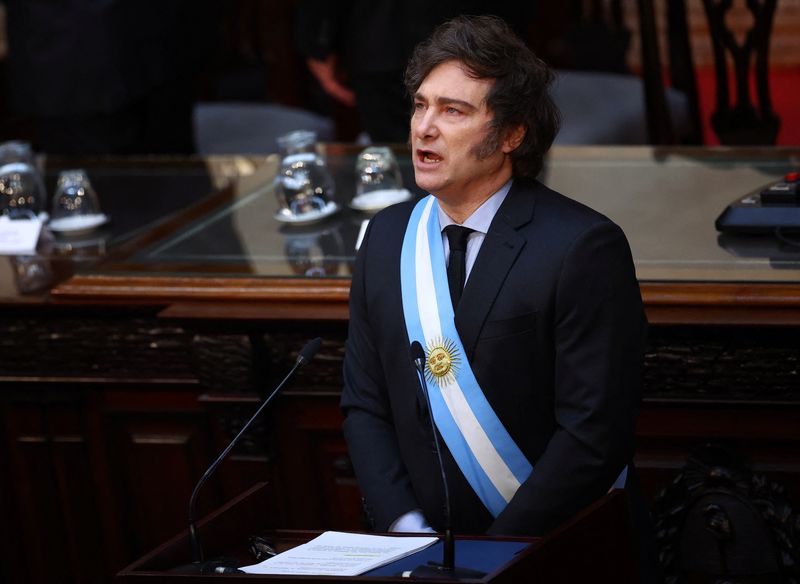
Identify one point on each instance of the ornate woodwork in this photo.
(719, 520)
(742, 122)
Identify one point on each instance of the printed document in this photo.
(335, 553)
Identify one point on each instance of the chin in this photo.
(432, 189)
(425, 185)
(430, 181)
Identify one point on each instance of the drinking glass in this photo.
(31, 273)
(22, 191)
(304, 186)
(377, 170)
(75, 202)
(379, 182)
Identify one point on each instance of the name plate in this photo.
(19, 236)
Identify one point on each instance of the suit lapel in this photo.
(499, 251)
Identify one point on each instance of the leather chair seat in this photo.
(609, 108)
(252, 128)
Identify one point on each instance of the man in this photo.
(534, 371)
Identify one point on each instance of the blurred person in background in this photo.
(357, 51)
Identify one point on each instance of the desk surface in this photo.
(666, 205)
(666, 201)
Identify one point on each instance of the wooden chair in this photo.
(740, 123)
(588, 46)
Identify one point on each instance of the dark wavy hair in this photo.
(489, 49)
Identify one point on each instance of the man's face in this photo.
(449, 133)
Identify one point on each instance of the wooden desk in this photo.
(666, 201)
(120, 384)
(595, 544)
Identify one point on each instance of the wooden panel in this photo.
(158, 458)
(54, 491)
(251, 461)
(339, 487)
(317, 484)
(11, 541)
(161, 444)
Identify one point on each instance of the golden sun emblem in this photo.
(442, 361)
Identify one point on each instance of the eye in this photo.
(419, 106)
(451, 110)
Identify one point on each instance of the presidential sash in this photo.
(483, 449)
(488, 457)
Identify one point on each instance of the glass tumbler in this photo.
(304, 185)
(377, 170)
(75, 202)
(22, 191)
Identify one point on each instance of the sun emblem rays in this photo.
(442, 361)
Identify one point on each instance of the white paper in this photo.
(19, 236)
(335, 553)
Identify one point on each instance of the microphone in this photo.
(221, 566)
(447, 569)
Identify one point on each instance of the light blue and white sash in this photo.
(485, 452)
(488, 457)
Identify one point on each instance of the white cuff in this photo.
(411, 522)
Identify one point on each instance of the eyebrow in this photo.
(448, 101)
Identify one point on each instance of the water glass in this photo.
(22, 191)
(304, 186)
(379, 182)
(75, 200)
(31, 273)
(377, 170)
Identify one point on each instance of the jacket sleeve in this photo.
(599, 334)
(368, 425)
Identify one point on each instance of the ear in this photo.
(513, 138)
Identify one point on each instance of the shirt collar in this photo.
(481, 218)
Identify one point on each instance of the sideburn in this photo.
(488, 145)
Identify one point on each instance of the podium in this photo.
(594, 546)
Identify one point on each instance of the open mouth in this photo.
(428, 156)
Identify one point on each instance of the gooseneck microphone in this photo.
(198, 564)
(447, 569)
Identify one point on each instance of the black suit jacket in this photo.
(552, 322)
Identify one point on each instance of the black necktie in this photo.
(457, 264)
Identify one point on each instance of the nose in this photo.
(424, 124)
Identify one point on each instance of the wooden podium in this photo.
(595, 545)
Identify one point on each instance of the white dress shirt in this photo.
(479, 222)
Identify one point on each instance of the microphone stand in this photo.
(224, 565)
(447, 569)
